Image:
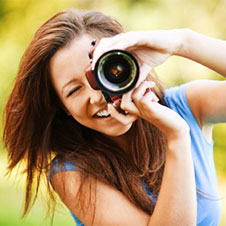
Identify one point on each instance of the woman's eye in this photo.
(73, 91)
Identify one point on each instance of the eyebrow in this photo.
(67, 84)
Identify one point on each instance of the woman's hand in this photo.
(150, 47)
(142, 102)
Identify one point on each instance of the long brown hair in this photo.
(36, 127)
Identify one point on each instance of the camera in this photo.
(115, 73)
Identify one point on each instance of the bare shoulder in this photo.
(111, 206)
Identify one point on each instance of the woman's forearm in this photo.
(176, 204)
(205, 50)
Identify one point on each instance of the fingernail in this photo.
(93, 66)
(152, 84)
(147, 91)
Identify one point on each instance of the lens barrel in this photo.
(116, 72)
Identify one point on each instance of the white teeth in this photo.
(103, 113)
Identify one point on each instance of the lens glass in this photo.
(117, 70)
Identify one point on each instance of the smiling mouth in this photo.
(102, 114)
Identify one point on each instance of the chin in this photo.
(115, 132)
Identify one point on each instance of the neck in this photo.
(123, 140)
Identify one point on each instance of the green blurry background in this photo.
(20, 18)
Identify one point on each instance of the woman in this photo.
(151, 166)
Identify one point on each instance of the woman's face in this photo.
(86, 105)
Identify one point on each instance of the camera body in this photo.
(115, 73)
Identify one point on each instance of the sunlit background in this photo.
(19, 19)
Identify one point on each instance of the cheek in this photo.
(77, 111)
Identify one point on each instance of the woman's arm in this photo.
(158, 45)
(205, 50)
(176, 203)
(205, 98)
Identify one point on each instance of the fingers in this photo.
(105, 45)
(144, 92)
(138, 100)
(128, 105)
(144, 71)
(120, 41)
(152, 47)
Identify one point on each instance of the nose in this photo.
(95, 96)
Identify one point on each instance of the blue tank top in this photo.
(208, 202)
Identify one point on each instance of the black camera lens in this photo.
(117, 69)
(116, 72)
